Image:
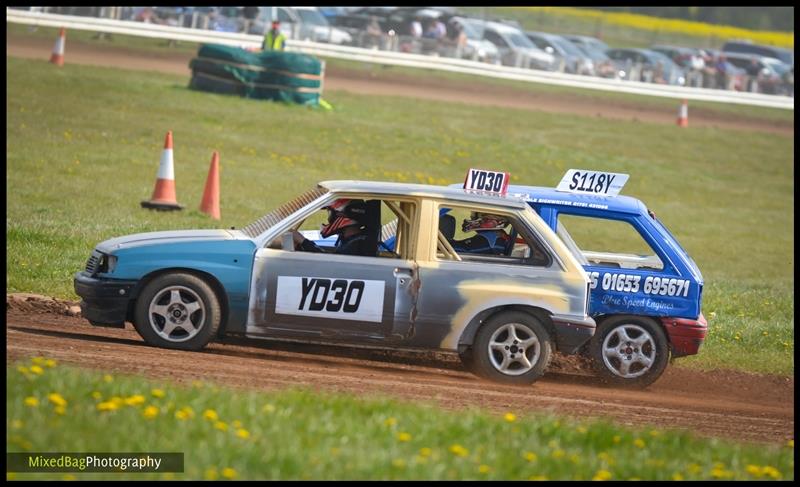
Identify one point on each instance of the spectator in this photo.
(458, 38)
(696, 67)
(753, 71)
(374, 33)
(250, 13)
(721, 68)
(274, 40)
(416, 28)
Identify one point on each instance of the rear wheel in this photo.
(512, 347)
(177, 310)
(629, 351)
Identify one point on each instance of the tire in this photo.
(629, 351)
(495, 352)
(178, 311)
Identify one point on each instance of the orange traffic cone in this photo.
(57, 57)
(683, 114)
(210, 202)
(164, 193)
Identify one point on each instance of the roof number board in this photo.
(483, 180)
(592, 182)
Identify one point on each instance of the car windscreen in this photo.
(261, 225)
(520, 40)
(567, 46)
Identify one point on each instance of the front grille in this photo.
(93, 263)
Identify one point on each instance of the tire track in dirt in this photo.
(738, 406)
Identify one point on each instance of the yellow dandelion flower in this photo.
(754, 470)
(23, 369)
(50, 363)
(404, 437)
(574, 458)
(107, 406)
(398, 463)
(655, 433)
(158, 393)
(559, 453)
(425, 451)
(243, 433)
(37, 370)
(484, 469)
(37, 360)
(182, 414)
(602, 475)
(229, 473)
(211, 474)
(118, 401)
(60, 410)
(150, 412)
(677, 476)
(790, 443)
(221, 426)
(770, 472)
(638, 443)
(530, 456)
(581, 429)
(210, 415)
(459, 450)
(96, 395)
(108, 378)
(390, 421)
(552, 444)
(720, 473)
(31, 401)
(134, 400)
(510, 417)
(236, 423)
(268, 408)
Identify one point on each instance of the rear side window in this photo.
(610, 243)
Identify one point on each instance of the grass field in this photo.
(300, 434)
(83, 145)
(159, 47)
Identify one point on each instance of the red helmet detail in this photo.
(343, 213)
(484, 221)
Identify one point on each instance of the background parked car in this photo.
(589, 41)
(744, 47)
(571, 59)
(478, 48)
(766, 73)
(516, 49)
(603, 65)
(304, 23)
(645, 65)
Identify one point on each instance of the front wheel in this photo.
(512, 347)
(177, 310)
(629, 351)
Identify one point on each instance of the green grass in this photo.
(83, 145)
(299, 434)
(159, 47)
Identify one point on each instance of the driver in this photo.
(490, 235)
(347, 218)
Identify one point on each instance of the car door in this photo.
(332, 296)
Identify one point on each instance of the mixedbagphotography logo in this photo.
(94, 462)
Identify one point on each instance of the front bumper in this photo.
(103, 301)
(686, 336)
(572, 332)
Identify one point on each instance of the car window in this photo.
(479, 235)
(610, 243)
(376, 213)
(267, 221)
(494, 38)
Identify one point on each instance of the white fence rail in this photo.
(398, 59)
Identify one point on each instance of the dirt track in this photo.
(385, 82)
(723, 404)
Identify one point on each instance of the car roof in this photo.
(424, 190)
(500, 27)
(619, 203)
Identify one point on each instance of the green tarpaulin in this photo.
(271, 75)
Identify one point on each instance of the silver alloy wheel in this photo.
(178, 311)
(514, 349)
(629, 351)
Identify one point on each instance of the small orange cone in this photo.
(683, 114)
(210, 202)
(164, 193)
(57, 57)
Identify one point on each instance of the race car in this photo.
(646, 291)
(504, 315)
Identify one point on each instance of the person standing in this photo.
(249, 13)
(274, 40)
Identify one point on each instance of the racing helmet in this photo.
(483, 222)
(343, 213)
